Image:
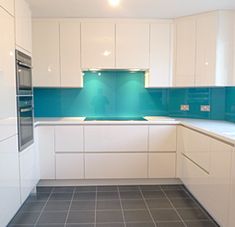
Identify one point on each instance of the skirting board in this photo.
(109, 182)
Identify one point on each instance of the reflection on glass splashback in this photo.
(122, 93)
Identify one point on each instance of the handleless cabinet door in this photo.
(8, 5)
(132, 46)
(232, 196)
(98, 45)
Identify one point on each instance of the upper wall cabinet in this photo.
(204, 56)
(132, 46)
(8, 5)
(70, 54)
(23, 25)
(98, 45)
(160, 73)
(46, 60)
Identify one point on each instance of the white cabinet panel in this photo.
(9, 180)
(46, 61)
(7, 77)
(160, 55)
(162, 165)
(8, 5)
(113, 166)
(185, 48)
(69, 166)
(132, 46)
(69, 138)
(23, 25)
(70, 54)
(28, 171)
(98, 45)
(232, 190)
(46, 152)
(162, 138)
(116, 138)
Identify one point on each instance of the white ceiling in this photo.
(127, 9)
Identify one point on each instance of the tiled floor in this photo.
(112, 206)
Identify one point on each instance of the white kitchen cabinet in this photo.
(46, 60)
(9, 180)
(8, 5)
(160, 68)
(70, 54)
(98, 45)
(162, 138)
(132, 45)
(185, 51)
(69, 166)
(46, 150)
(28, 171)
(23, 25)
(232, 193)
(8, 122)
(115, 166)
(69, 139)
(162, 165)
(116, 138)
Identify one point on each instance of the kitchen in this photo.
(117, 113)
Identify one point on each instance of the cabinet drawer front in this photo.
(162, 165)
(116, 138)
(69, 166)
(162, 138)
(69, 139)
(114, 166)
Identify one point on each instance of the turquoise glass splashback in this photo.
(122, 93)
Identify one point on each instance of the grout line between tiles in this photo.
(120, 200)
(69, 207)
(96, 195)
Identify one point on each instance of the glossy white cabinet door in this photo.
(185, 48)
(69, 166)
(114, 166)
(8, 5)
(9, 180)
(8, 114)
(28, 171)
(162, 138)
(160, 55)
(70, 54)
(132, 46)
(69, 139)
(23, 25)
(46, 61)
(46, 151)
(232, 195)
(162, 165)
(206, 49)
(98, 45)
(116, 138)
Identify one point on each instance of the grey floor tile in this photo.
(160, 215)
(63, 189)
(137, 216)
(38, 197)
(133, 205)
(111, 225)
(61, 196)
(150, 187)
(44, 189)
(172, 187)
(192, 214)
(32, 206)
(50, 225)
(80, 225)
(107, 195)
(81, 217)
(144, 224)
(109, 205)
(52, 218)
(162, 203)
(124, 188)
(107, 188)
(131, 195)
(20, 225)
(85, 189)
(170, 224)
(201, 224)
(83, 205)
(85, 196)
(153, 194)
(177, 194)
(26, 218)
(184, 203)
(109, 216)
(57, 206)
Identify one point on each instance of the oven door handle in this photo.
(24, 110)
(24, 65)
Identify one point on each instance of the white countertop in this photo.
(221, 130)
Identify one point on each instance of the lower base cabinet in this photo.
(162, 165)
(232, 191)
(69, 166)
(116, 166)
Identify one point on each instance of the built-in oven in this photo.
(24, 100)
